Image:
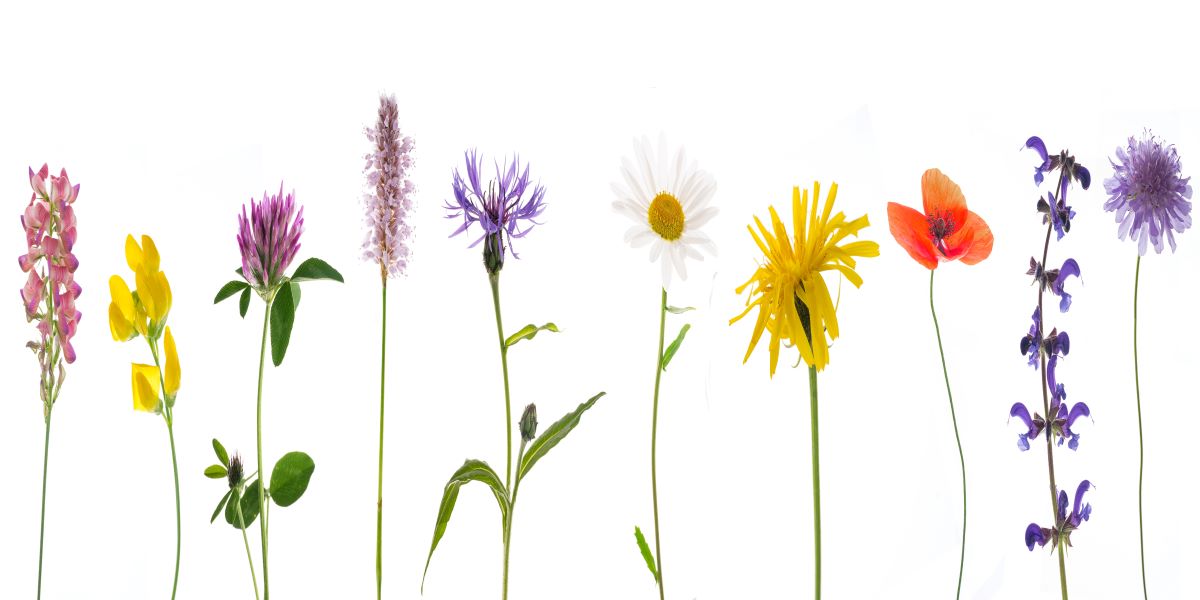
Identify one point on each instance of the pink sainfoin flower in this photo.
(389, 200)
(50, 290)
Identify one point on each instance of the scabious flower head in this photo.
(389, 201)
(269, 239)
(1149, 194)
(501, 207)
(667, 199)
(1066, 523)
(789, 290)
(946, 230)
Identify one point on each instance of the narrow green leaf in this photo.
(222, 455)
(674, 347)
(230, 289)
(472, 470)
(220, 505)
(528, 332)
(215, 471)
(283, 315)
(646, 553)
(244, 302)
(679, 310)
(248, 502)
(290, 478)
(315, 269)
(552, 436)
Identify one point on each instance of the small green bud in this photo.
(529, 423)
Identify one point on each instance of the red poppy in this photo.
(947, 231)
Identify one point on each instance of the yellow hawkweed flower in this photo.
(122, 316)
(171, 369)
(789, 289)
(145, 387)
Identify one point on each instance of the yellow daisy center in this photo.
(666, 216)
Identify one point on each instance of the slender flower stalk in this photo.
(49, 296)
(143, 312)
(389, 206)
(794, 305)
(1151, 200)
(946, 231)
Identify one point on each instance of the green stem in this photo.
(957, 439)
(494, 279)
(1137, 272)
(662, 325)
(512, 507)
(246, 543)
(45, 470)
(816, 472)
(178, 514)
(262, 513)
(379, 501)
(1062, 563)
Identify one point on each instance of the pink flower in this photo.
(32, 293)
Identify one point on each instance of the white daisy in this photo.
(668, 202)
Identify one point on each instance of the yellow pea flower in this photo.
(145, 393)
(140, 258)
(171, 370)
(121, 312)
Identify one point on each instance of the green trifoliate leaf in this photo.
(220, 505)
(646, 553)
(289, 478)
(472, 470)
(528, 332)
(669, 353)
(552, 436)
(244, 302)
(230, 289)
(215, 472)
(315, 269)
(248, 502)
(283, 316)
(222, 455)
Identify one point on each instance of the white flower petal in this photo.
(666, 273)
(700, 240)
(677, 259)
(638, 192)
(656, 249)
(631, 210)
(639, 235)
(699, 218)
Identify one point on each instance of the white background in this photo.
(171, 119)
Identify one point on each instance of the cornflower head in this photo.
(500, 207)
(388, 201)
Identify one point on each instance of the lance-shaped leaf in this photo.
(222, 455)
(244, 302)
(230, 289)
(289, 478)
(248, 502)
(220, 505)
(679, 310)
(315, 269)
(669, 353)
(552, 436)
(528, 332)
(472, 470)
(215, 472)
(283, 316)
(645, 548)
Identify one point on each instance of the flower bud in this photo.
(235, 470)
(493, 253)
(529, 423)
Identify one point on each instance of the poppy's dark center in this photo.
(941, 226)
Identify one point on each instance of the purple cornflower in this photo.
(1149, 193)
(499, 208)
(389, 202)
(1065, 525)
(269, 239)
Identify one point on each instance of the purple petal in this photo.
(1034, 535)
(1081, 512)
(1062, 504)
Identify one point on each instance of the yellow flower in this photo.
(171, 370)
(153, 300)
(145, 387)
(789, 289)
(141, 258)
(122, 316)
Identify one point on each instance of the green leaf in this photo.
(230, 289)
(215, 472)
(528, 332)
(677, 310)
(472, 470)
(248, 502)
(222, 455)
(244, 302)
(290, 478)
(674, 347)
(552, 436)
(220, 505)
(646, 554)
(315, 269)
(283, 315)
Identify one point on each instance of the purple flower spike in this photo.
(1068, 269)
(1066, 523)
(1149, 194)
(1033, 340)
(269, 239)
(499, 209)
(389, 202)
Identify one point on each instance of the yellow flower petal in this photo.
(121, 311)
(133, 254)
(163, 300)
(145, 393)
(171, 370)
(145, 291)
(122, 330)
(149, 255)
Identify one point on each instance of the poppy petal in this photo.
(912, 233)
(972, 243)
(941, 195)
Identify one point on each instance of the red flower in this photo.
(947, 231)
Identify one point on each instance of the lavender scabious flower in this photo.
(499, 208)
(1065, 525)
(1149, 193)
(269, 239)
(389, 201)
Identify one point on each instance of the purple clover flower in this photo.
(1065, 525)
(269, 239)
(1149, 194)
(499, 208)
(389, 202)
